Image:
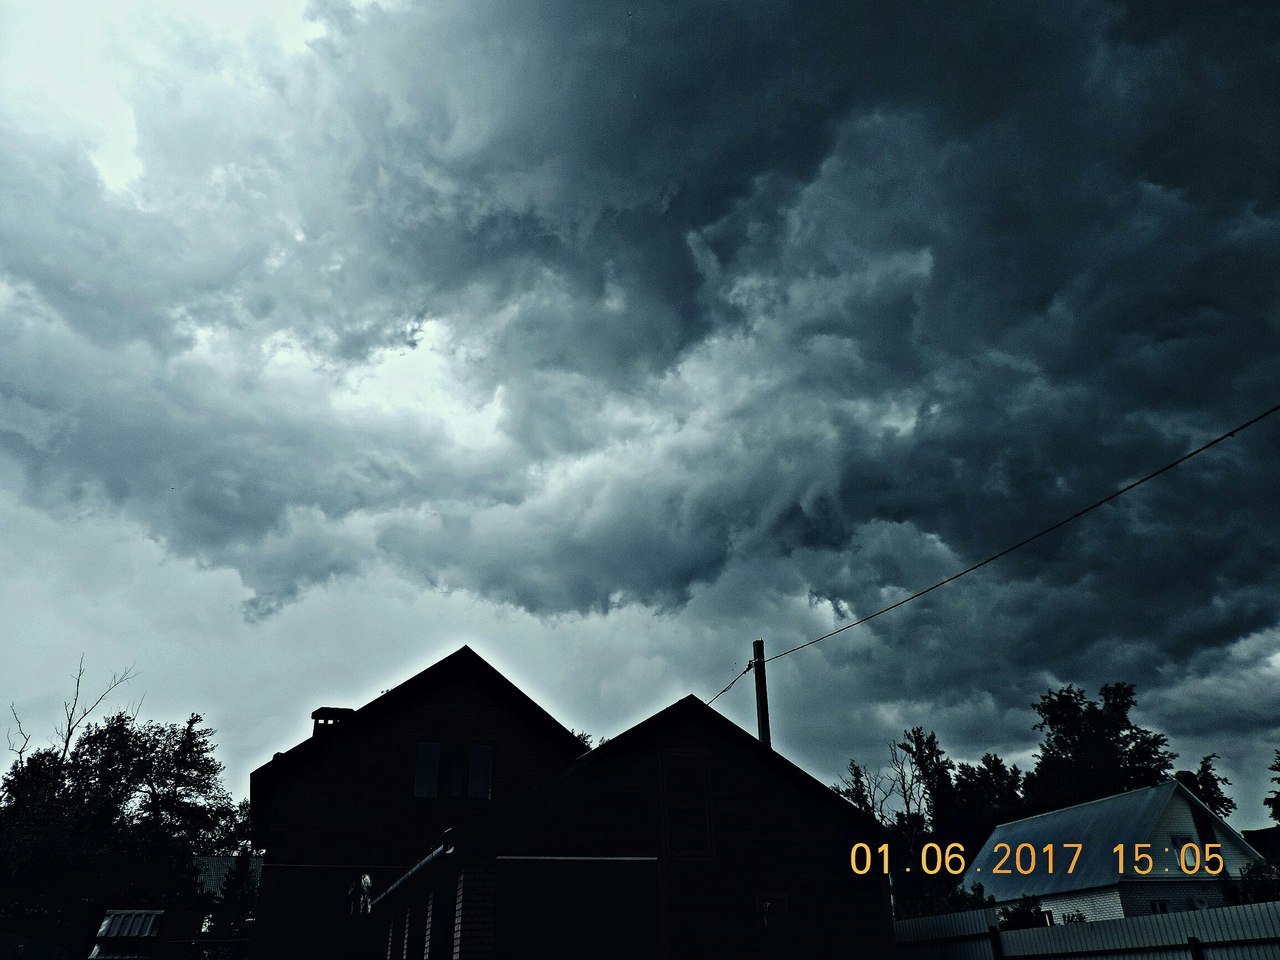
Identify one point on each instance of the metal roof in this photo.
(131, 923)
(1098, 826)
(124, 935)
(212, 872)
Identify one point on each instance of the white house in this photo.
(1155, 850)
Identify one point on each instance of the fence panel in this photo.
(1248, 932)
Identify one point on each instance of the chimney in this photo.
(327, 719)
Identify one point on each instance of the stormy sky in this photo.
(607, 337)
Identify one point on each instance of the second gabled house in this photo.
(684, 837)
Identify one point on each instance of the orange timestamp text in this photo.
(1025, 859)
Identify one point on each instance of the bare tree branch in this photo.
(75, 713)
(21, 749)
(907, 780)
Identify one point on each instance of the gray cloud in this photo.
(769, 315)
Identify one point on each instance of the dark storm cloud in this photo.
(854, 294)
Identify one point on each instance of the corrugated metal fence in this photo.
(1249, 932)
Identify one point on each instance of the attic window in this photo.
(453, 770)
(1187, 858)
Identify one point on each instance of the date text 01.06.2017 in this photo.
(1025, 859)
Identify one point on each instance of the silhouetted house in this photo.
(682, 837)
(350, 809)
(1166, 822)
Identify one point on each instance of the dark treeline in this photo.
(113, 814)
(1089, 749)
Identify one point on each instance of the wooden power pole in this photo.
(762, 692)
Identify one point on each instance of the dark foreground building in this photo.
(349, 810)
(454, 818)
(682, 837)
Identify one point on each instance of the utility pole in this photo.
(762, 692)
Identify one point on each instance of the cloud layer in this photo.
(764, 316)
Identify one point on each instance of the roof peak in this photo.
(464, 660)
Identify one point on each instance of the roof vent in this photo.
(328, 719)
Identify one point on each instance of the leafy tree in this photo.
(234, 832)
(117, 813)
(231, 913)
(1023, 915)
(1092, 749)
(858, 786)
(982, 797)
(1272, 800)
(1206, 784)
(932, 769)
(1258, 883)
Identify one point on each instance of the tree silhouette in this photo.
(916, 798)
(1272, 800)
(1092, 749)
(982, 797)
(119, 817)
(1206, 784)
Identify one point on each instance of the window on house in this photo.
(1179, 842)
(480, 772)
(426, 774)
(453, 770)
(1159, 906)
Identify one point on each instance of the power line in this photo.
(744, 672)
(1008, 550)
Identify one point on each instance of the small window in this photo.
(453, 770)
(1186, 857)
(426, 774)
(480, 776)
(1159, 906)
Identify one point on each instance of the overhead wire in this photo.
(1008, 550)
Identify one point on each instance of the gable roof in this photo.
(1098, 826)
(463, 663)
(495, 825)
(693, 708)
